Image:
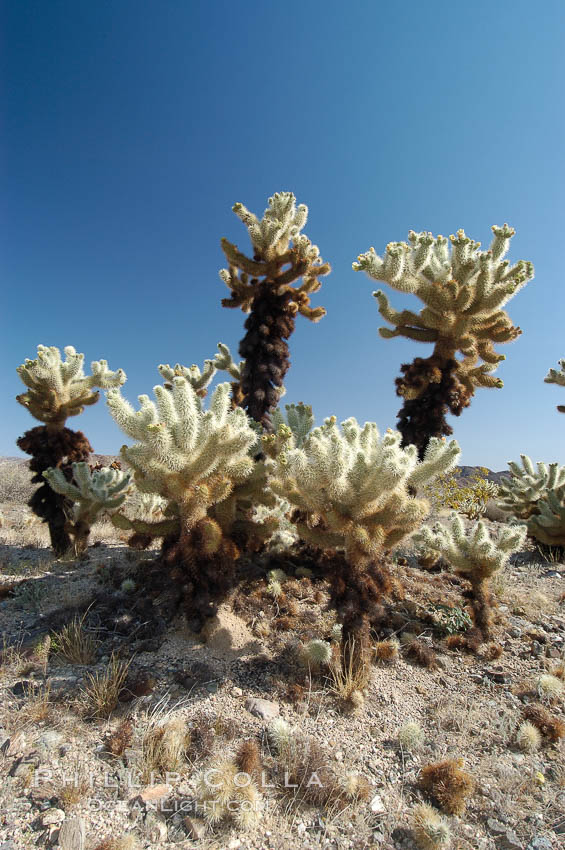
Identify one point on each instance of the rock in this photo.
(72, 834)
(377, 805)
(24, 689)
(263, 708)
(497, 676)
(156, 830)
(509, 841)
(195, 827)
(236, 692)
(496, 827)
(50, 740)
(539, 842)
(52, 817)
(150, 794)
(25, 765)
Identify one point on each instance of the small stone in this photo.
(509, 841)
(496, 827)
(72, 834)
(377, 805)
(212, 687)
(195, 827)
(263, 708)
(151, 793)
(236, 692)
(52, 817)
(50, 739)
(539, 842)
(234, 844)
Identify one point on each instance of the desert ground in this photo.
(111, 708)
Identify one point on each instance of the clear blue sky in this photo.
(131, 127)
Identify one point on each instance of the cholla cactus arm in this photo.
(299, 419)
(463, 291)
(351, 487)
(199, 380)
(225, 362)
(557, 376)
(59, 388)
(263, 287)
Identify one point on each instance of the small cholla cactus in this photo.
(549, 687)
(280, 734)
(464, 291)
(410, 737)
(476, 556)
(536, 496)
(128, 585)
(56, 390)
(336, 633)
(528, 737)
(386, 651)
(430, 829)
(557, 376)
(92, 491)
(316, 654)
(223, 791)
(263, 287)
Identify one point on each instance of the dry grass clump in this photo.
(119, 740)
(430, 829)
(102, 689)
(550, 727)
(165, 746)
(386, 651)
(74, 644)
(350, 672)
(448, 784)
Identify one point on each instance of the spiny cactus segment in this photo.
(263, 287)
(557, 376)
(463, 290)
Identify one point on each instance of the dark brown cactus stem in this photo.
(423, 416)
(265, 351)
(481, 603)
(53, 445)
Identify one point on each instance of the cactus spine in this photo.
(557, 376)
(263, 287)
(464, 292)
(57, 389)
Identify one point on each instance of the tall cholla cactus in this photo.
(557, 376)
(475, 556)
(56, 390)
(92, 491)
(263, 287)
(195, 459)
(464, 291)
(352, 489)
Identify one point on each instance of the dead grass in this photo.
(165, 744)
(350, 673)
(74, 644)
(101, 691)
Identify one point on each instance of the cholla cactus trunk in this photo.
(266, 352)
(481, 604)
(424, 417)
(53, 446)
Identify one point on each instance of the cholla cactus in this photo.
(263, 287)
(352, 489)
(223, 791)
(198, 380)
(225, 362)
(195, 459)
(538, 497)
(315, 654)
(91, 491)
(56, 390)
(299, 418)
(557, 376)
(476, 556)
(464, 291)
(430, 829)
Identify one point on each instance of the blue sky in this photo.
(131, 127)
